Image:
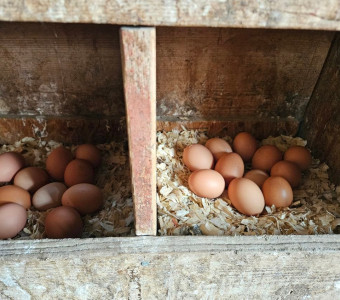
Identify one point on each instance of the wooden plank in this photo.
(138, 46)
(267, 267)
(60, 70)
(321, 126)
(260, 128)
(68, 130)
(210, 73)
(303, 14)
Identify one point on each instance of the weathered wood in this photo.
(60, 70)
(321, 126)
(138, 46)
(272, 267)
(304, 14)
(68, 130)
(260, 128)
(211, 74)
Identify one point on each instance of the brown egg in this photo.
(13, 219)
(277, 191)
(49, 196)
(89, 153)
(289, 171)
(63, 222)
(218, 147)
(246, 196)
(31, 178)
(197, 157)
(15, 194)
(257, 176)
(300, 156)
(10, 164)
(57, 161)
(230, 166)
(78, 171)
(206, 183)
(265, 157)
(85, 198)
(245, 145)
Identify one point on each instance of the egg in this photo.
(257, 176)
(15, 194)
(230, 166)
(10, 164)
(246, 196)
(63, 222)
(265, 157)
(49, 196)
(57, 161)
(197, 157)
(85, 198)
(277, 191)
(245, 145)
(78, 171)
(300, 156)
(31, 178)
(206, 183)
(289, 171)
(89, 153)
(218, 147)
(13, 219)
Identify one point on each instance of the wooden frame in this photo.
(173, 267)
(300, 14)
(206, 267)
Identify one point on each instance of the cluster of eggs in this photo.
(66, 187)
(216, 166)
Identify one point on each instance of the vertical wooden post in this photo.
(138, 50)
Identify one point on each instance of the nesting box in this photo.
(211, 66)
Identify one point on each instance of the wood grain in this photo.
(139, 75)
(303, 14)
(279, 267)
(210, 73)
(68, 130)
(321, 126)
(60, 70)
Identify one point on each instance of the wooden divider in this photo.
(138, 48)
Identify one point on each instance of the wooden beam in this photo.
(295, 14)
(138, 48)
(254, 267)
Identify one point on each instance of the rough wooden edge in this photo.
(179, 244)
(138, 48)
(295, 14)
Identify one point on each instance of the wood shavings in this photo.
(112, 177)
(315, 209)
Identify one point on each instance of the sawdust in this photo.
(112, 177)
(315, 209)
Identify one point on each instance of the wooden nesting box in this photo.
(216, 65)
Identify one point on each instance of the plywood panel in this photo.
(280, 267)
(306, 14)
(321, 125)
(60, 70)
(208, 73)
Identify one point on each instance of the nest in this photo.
(112, 177)
(315, 208)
